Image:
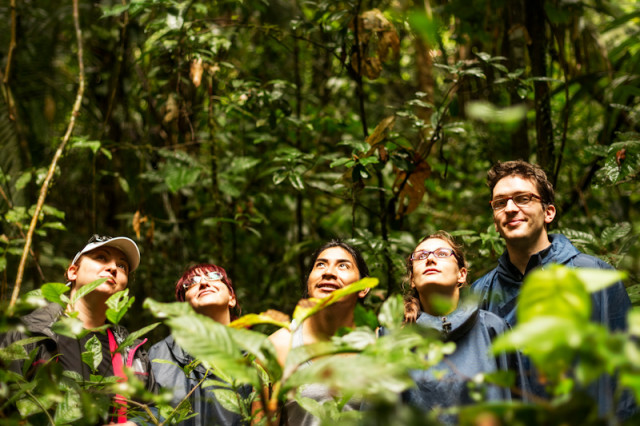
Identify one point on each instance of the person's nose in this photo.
(511, 206)
(431, 258)
(331, 271)
(112, 267)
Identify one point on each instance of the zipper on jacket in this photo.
(446, 326)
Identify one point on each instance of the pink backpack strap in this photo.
(118, 371)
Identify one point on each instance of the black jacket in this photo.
(39, 322)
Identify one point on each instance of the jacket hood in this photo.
(454, 325)
(560, 251)
(41, 320)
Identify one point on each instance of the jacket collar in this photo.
(560, 251)
(454, 325)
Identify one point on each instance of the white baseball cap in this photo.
(124, 244)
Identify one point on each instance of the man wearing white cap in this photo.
(102, 257)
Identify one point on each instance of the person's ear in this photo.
(363, 293)
(232, 301)
(549, 213)
(462, 276)
(72, 272)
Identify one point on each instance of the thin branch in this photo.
(12, 43)
(47, 181)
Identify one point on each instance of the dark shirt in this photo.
(70, 357)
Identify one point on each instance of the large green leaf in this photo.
(93, 354)
(211, 342)
(597, 279)
(391, 313)
(177, 177)
(133, 336)
(119, 304)
(86, 289)
(165, 310)
(54, 292)
(556, 291)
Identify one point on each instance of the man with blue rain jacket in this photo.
(522, 200)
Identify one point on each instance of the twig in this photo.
(12, 43)
(47, 181)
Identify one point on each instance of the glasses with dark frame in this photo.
(440, 253)
(199, 279)
(520, 200)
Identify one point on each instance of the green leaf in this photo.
(579, 237)
(16, 351)
(634, 322)
(597, 279)
(554, 292)
(296, 181)
(365, 317)
(228, 398)
(240, 164)
(614, 233)
(119, 304)
(308, 307)
(70, 327)
(86, 289)
(53, 292)
(23, 180)
(123, 184)
(488, 113)
(166, 310)
(94, 146)
(211, 342)
(132, 337)
(177, 178)
(340, 162)
(391, 313)
(93, 355)
(250, 320)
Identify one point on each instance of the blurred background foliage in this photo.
(246, 133)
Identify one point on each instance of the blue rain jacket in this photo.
(499, 289)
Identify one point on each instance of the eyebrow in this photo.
(322, 259)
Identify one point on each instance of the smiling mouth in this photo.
(205, 292)
(431, 271)
(328, 286)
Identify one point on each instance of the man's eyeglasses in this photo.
(519, 199)
(199, 279)
(440, 253)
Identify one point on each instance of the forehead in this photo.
(336, 253)
(432, 244)
(513, 184)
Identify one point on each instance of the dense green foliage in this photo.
(246, 133)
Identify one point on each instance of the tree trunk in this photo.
(516, 41)
(537, 53)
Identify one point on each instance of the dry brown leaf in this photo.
(196, 72)
(381, 130)
(413, 190)
(372, 68)
(171, 109)
(389, 41)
